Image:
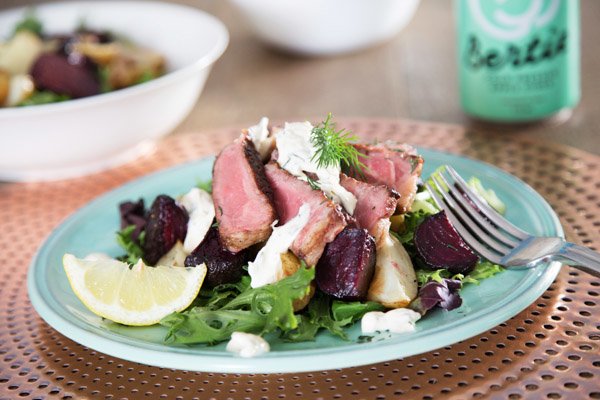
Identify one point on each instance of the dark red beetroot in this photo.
(375, 205)
(326, 218)
(166, 224)
(133, 213)
(74, 76)
(397, 166)
(440, 246)
(346, 267)
(222, 265)
(242, 196)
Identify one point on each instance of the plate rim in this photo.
(304, 360)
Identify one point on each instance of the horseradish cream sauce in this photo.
(267, 267)
(296, 154)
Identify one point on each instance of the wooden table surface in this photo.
(414, 76)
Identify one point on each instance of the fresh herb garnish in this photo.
(364, 339)
(132, 247)
(334, 147)
(313, 183)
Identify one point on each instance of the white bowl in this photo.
(77, 137)
(326, 27)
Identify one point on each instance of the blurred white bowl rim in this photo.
(77, 137)
(326, 27)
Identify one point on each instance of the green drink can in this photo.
(519, 60)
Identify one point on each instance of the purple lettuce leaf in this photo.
(443, 294)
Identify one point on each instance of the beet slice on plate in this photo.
(222, 265)
(347, 265)
(166, 224)
(440, 246)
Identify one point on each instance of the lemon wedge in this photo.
(138, 296)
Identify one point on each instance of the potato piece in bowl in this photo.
(133, 65)
(100, 53)
(290, 264)
(20, 52)
(20, 88)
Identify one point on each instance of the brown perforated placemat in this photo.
(550, 350)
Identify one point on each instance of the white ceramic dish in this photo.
(326, 27)
(77, 137)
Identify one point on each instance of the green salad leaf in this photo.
(484, 269)
(205, 185)
(488, 195)
(354, 310)
(29, 23)
(43, 97)
(333, 315)
(133, 249)
(254, 310)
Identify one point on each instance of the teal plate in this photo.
(91, 229)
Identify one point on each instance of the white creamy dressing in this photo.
(399, 320)
(267, 267)
(259, 134)
(201, 210)
(296, 154)
(247, 345)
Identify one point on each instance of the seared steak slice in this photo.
(375, 205)
(326, 218)
(242, 196)
(396, 165)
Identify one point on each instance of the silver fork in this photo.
(495, 238)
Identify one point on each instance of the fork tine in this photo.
(485, 209)
(490, 231)
(472, 223)
(462, 230)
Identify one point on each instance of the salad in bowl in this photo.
(302, 229)
(37, 67)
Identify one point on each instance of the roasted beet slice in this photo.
(166, 224)
(223, 266)
(133, 213)
(74, 76)
(346, 267)
(440, 246)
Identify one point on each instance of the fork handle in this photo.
(585, 259)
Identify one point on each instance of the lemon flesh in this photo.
(139, 296)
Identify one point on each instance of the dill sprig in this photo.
(334, 146)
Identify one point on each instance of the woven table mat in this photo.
(550, 350)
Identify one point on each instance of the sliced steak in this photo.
(242, 196)
(375, 205)
(326, 218)
(396, 165)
